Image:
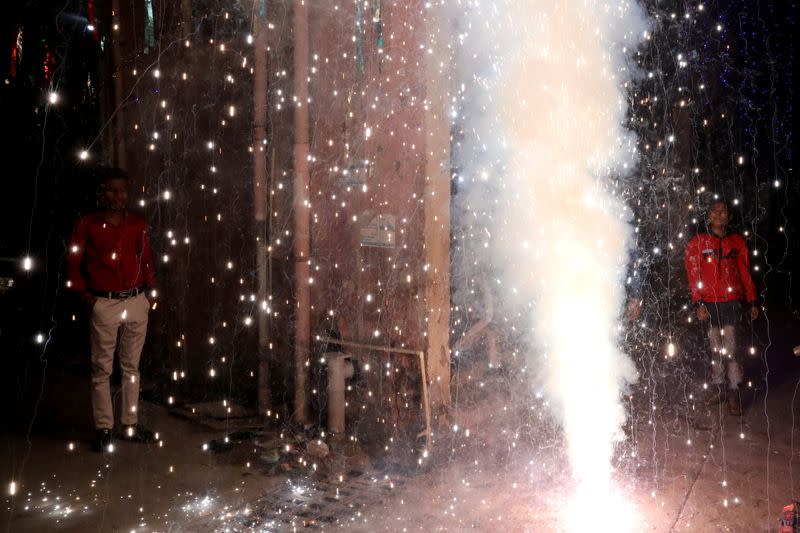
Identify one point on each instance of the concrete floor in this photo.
(63, 485)
(681, 470)
(734, 476)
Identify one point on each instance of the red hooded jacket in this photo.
(718, 269)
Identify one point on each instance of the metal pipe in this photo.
(302, 236)
(426, 404)
(259, 204)
(340, 368)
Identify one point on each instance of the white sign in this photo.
(379, 232)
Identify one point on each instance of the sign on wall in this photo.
(379, 232)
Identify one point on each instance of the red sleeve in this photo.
(744, 271)
(76, 247)
(692, 260)
(147, 261)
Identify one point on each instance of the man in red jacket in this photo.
(110, 264)
(718, 268)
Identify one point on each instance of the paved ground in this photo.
(734, 476)
(682, 469)
(63, 485)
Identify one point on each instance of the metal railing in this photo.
(404, 351)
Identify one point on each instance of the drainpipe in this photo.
(340, 368)
(426, 402)
(302, 237)
(259, 204)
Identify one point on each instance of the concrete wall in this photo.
(381, 147)
(375, 102)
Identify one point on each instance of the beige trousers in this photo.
(117, 324)
(725, 357)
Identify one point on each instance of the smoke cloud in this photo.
(544, 144)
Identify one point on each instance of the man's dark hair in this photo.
(734, 216)
(726, 203)
(712, 203)
(105, 174)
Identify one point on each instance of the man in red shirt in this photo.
(718, 268)
(110, 264)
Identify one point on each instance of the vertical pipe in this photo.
(340, 368)
(259, 204)
(302, 238)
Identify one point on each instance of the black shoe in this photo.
(102, 441)
(136, 433)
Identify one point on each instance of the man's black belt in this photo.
(120, 295)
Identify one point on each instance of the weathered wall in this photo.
(376, 112)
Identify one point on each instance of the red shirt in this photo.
(718, 269)
(105, 257)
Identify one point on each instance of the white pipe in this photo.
(302, 214)
(340, 368)
(426, 402)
